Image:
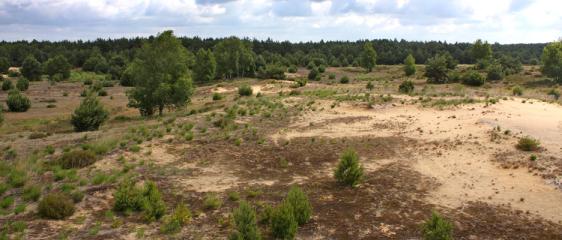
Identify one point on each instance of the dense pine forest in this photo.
(332, 53)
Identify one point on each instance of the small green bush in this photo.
(217, 96)
(370, 86)
(349, 171)
(437, 228)
(321, 69)
(245, 222)
(406, 87)
(344, 79)
(56, 206)
(22, 84)
(300, 82)
(77, 159)
(528, 144)
(18, 102)
(245, 90)
(495, 72)
(313, 74)
(473, 78)
(332, 76)
(6, 202)
(153, 206)
(31, 193)
(517, 91)
(127, 197)
(179, 218)
(292, 69)
(300, 205)
(282, 223)
(554, 93)
(211, 202)
(17, 178)
(7, 85)
(89, 116)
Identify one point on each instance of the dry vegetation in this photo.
(449, 148)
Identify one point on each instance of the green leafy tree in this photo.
(57, 65)
(551, 60)
(410, 65)
(234, 58)
(117, 65)
(160, 75)
(89, 115)
(4, 65)
(31, 68)
(245, 223)
(481, 50)
(205, 66)
(96, 62)
(436, 69)
(368, 57)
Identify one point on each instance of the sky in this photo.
(503, 21)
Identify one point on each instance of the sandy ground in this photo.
(461, 159)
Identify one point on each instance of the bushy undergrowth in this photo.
(300, 205)
(89, 115)
(406, 87)
(17, 102)
(179, 218)
(245, 90)
(129, 197)
(56, 206)
(283, 223)
(437, 228)
(245, 223)
(77, 159)
(528, 144)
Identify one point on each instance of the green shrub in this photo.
(6, 202)
(217, 96)
(321, 69)
(349, 171)
(370, 86)
(437, 228)
(13, 73)
(245, 90)
(153, 206)
(517, 91)
(473, 78)
(89, 115)
(313, 74)
(127, 197)
(77, 159)
(245, 223)
(406, 87)
(300, 205)
(211, 202)
(300, 82)
(179, 218)
(18, 102)
(495, 72)
(292, 69)
(102, 93)
(17, 178)
(22, 84)
(282, 223)
(31, 193)
(7, 85)
(56, 206)
(332, 76)
(528, 144)
(3, 188)
(344, 79)
(272, 71)
(554, 93)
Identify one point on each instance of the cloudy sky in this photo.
(504, 21)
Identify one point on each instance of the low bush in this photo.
(332, 76)
(89, 116)
(300, 82)
(77, 159)
(406, 87)
(313, 74)
(179, 218)
(217, 96)
(245, 223)
(7, 85)
(211, 202)
(528, 144)
(473, 78)
(6, 202)
(437, 228)
(370, 86)
(349, 171)
(56, 206)
(127, 197)
(22, 84)
(17, 102)
(31, 193)
(245, 90)
(321, 69)
(299, 204)
(344, 79)
(17, 178)
(517, 91)
(554, 93)
(153, 206)
(292, 69)
(495, 72)
(282, 223)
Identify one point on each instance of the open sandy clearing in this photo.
(459, 149)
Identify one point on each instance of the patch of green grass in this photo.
(212, 202)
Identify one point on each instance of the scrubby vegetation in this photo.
(437, 228)
(89, 116)
(528, 144)
(17, 102)
(349, 171)
(56, 206)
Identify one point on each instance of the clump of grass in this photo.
(344, 79)
(528, 144)
(233, 196)
(56, 206)
(437, 228)
(406, 87)
(31, 193)
(128, 198)
(217, 96)
(349, 171)
(179, 218)
(517, 91)
(211, 202)
(245, 90)
(77, 159)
